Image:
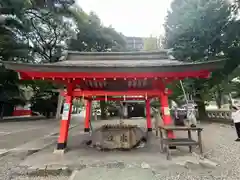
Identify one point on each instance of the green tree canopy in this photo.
(203, 30)
(93, 36)
(36, 31)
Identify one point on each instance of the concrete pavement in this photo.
(31, 134)
(113, 173)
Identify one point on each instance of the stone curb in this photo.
(53, 170)
(74, 173)
(4, 152)
(208, 163)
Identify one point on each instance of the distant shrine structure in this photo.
(103, 75)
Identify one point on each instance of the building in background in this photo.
(153, 43)
(144, 43)
(135, 43)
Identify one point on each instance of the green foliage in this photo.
(45, 97)
(10, 92)
(11, 28)
(36, 31)
(93, 36)
(45, 103)
(203, 30)
(31, 31)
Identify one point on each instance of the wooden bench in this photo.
(179, 141)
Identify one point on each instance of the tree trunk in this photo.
(218, 101)
(202, 114)
(219, 97)
(103, 110)
(48, 115)
(230, 101)
(2, 111)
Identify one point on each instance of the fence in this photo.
(223, 115)
(213, 115)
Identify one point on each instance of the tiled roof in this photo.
(117, 59)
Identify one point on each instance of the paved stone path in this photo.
(13, 134)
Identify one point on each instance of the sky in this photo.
(131, 17)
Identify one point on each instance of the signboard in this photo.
(65, 114)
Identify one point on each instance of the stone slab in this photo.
(59, 151)
(3, 152)
(208, 163)
(36, 145)
(54, 170)
(113, 173)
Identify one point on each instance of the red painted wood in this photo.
(63, 132)
(90, 93)
(64, 126)
(120, 99)
(167, 120)
(22, 112)
(121, 75)
(88, 115)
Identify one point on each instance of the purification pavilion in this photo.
(103, 75)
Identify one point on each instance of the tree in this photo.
(49, 33)
(203, 30)
(31, 31)
(10, 92)
(93, 36)
(11, 48)
(37, 31)
(45, 103)
(45, 97)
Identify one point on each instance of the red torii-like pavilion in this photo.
(97, 75)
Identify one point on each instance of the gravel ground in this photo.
(10, 170)
(42, 178)
(219, 147)
(8, 165)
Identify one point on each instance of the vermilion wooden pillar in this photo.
(148, 115)
(66, 117)
(87, 116)
(167, 120)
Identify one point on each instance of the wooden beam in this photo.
(89, 93)
(120, 99)
(115, 75)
